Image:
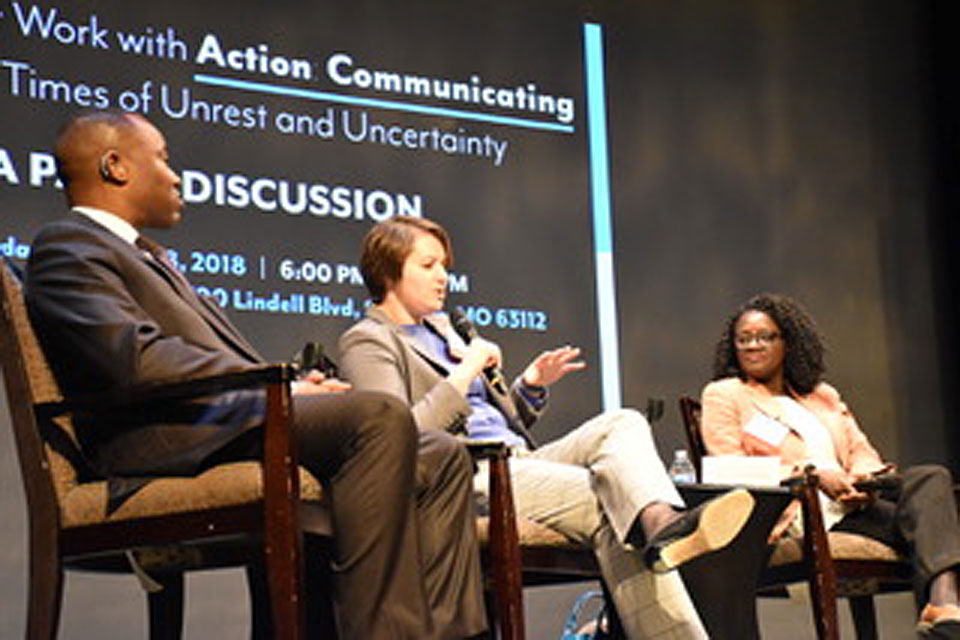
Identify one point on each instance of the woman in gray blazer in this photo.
(603, 484)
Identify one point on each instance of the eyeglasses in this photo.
(762, 338)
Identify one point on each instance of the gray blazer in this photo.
(376, 354)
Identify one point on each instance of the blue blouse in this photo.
(485, 421)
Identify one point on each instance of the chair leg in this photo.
(46, 590)
(285, 589)
(824, 609)
(864, 617)
(166, 608)
(822, 582)
(505, 552)
(319, 587)
(261, 627)
(490, 600)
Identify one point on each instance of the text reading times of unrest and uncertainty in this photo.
(339, 68)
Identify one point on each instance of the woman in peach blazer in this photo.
(768, 398)
(730, 403)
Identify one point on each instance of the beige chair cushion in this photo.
(226, 485)
(531, 534)
(843, 546)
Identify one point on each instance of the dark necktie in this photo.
(158, 253)
(207, 310)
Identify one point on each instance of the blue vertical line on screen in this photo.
(600, 204)
(325, 96)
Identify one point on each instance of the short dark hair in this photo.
(387, 246)
(78, 124)
(803, 364)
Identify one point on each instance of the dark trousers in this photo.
(920, 521)
(406, 559)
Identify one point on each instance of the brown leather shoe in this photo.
(708, 527)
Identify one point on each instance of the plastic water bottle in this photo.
(681, 469)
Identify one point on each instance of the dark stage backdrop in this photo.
(769, 146)
(297, 127)
(753, 145)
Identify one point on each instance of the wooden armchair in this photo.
(834, 564)
(249, 514)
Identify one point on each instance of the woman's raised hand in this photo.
(551, 366)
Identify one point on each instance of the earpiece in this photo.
(105, 169)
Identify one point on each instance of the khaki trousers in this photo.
(590, 485)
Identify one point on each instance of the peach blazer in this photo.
(730, 403)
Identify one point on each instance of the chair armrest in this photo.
(485, 449)
(500, 489)
(805, 488)
(169, 390)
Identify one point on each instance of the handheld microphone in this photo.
(312, 356)
(465, 329)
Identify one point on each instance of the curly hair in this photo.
(803, 364)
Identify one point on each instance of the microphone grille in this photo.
(461, 324)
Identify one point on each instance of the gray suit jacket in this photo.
(108, 317)
(376, 354)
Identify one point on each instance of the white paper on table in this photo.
(754, 471)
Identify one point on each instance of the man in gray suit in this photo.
(111, 311)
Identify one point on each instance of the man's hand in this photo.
(551, 366)
(315, 382)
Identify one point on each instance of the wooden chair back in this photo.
(690, 413)
(29, 382)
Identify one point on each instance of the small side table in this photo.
(723, 584)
